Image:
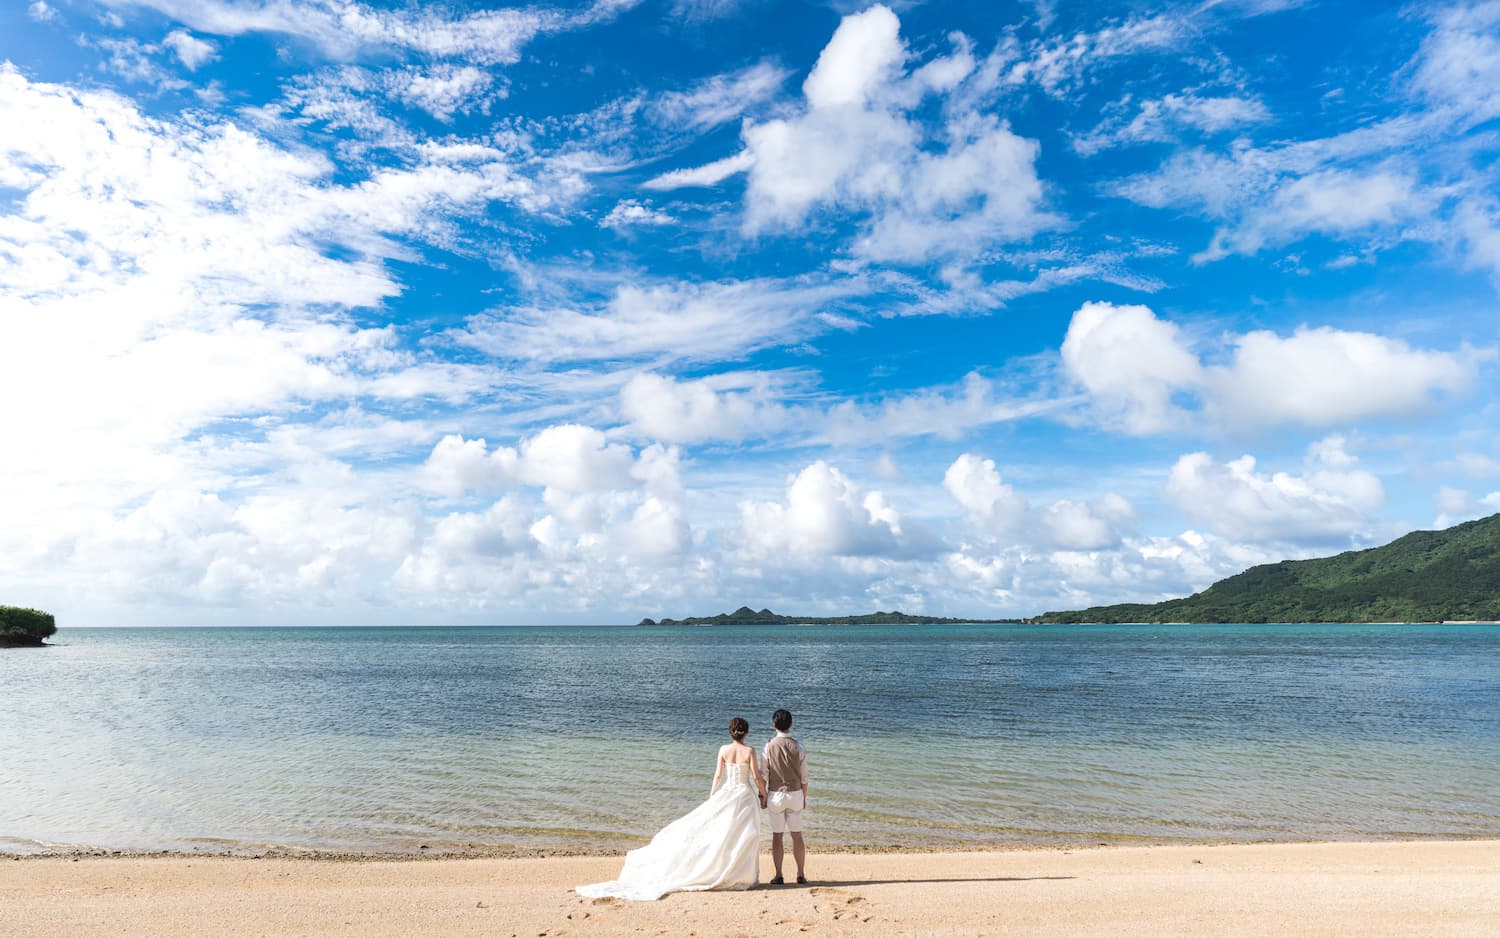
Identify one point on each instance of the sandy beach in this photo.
(1381, 888)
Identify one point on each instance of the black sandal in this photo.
(777, 881)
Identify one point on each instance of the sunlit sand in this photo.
(1380, 888)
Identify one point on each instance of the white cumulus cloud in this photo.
(629, 213)
(1143, 375)
(1323, 376)
(189, 49)
(443, 89)
(1322, 504)
(1000, 515)
(976, 485)
(856, 149)
(1131, 362)
(828, 514)
(865, 52)
(724, 407)
(1456, 505)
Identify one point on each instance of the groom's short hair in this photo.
(782, 720)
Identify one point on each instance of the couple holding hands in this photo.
(717, 844)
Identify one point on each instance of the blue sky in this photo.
(335, 312)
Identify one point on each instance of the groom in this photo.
(786, 784)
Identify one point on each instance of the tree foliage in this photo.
(24, 626)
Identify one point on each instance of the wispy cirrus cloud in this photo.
(1457, 68)
(1403, 178)
(1060, 62)
(377, 104)
(783, 408)
(709, 174)
(1056, 64)
(1357, 186)
(667, 322)
(142, 257)
(344, 29)
(1164, 119)
(720, 99)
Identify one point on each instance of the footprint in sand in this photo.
(580, 916)
(842, 903)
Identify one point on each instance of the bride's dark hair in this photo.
(738, 729)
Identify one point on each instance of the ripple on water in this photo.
(575, 739)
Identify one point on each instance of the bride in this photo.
(715, 846)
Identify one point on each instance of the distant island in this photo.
(25, 627)
(747, 616)
(1452, 575)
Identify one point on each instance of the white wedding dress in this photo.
(715, 846)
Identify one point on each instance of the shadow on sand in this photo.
(838, 883)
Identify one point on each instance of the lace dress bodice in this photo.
(736, 775)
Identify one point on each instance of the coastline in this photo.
(1374, 887)
(426, 855)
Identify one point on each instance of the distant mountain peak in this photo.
(746, 616)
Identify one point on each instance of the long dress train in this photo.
(715, 846)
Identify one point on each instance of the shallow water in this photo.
(376, 740)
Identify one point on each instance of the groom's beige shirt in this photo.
(786, 764)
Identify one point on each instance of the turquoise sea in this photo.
(588, 739)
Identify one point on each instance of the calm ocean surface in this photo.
(588, 739)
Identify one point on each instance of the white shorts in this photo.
(784, 811)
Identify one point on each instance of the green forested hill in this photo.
(1426, 576)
